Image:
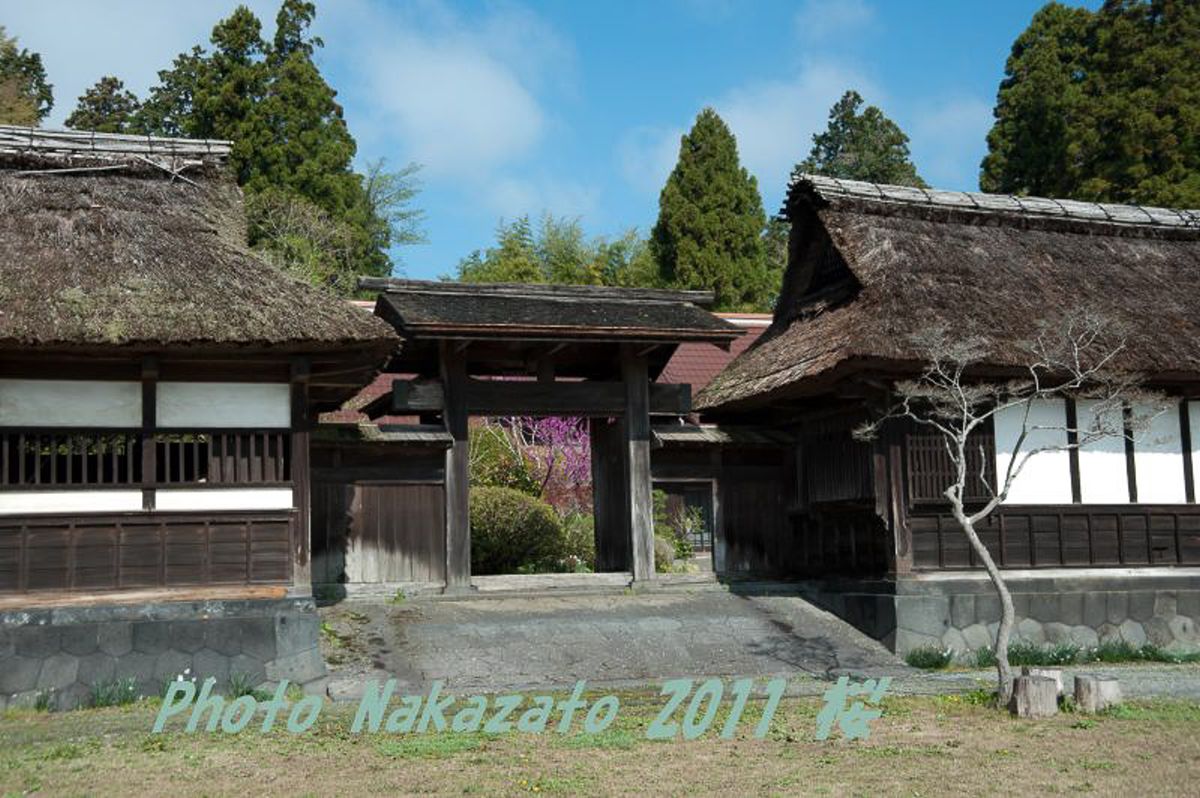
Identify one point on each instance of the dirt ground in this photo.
(943, 745)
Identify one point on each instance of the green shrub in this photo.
(578, 548)
(930, 657)
(664, 554)
(496, 464)
(510, 529)
(114, 692)
(984, 657)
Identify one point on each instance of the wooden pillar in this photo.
(301, 481)
(636, 454)
(608, 495)
(901, 552)
(458, 518)
(720, 550)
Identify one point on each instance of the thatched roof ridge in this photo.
(871, 265)
(1064, 214)
(128, 254)
(430, 310)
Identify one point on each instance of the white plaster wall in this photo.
(197, 405)
(1158, 458)
(187, 499)
(69, 501)
(70, 403)
(1046, 477)
(1194, 422)
(1103, 475)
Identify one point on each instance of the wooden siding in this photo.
(93, 553)
(379, 514)
(837, 468)
(1044, 536)
(380, 532)
(852, 541)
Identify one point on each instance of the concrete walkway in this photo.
(548, 640)
(526, 642)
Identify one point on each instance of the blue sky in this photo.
(577, 107)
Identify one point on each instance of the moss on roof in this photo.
(131, 255)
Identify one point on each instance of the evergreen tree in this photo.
(25, 96)
(290, 144)
(1102, 106)
(861, 145)
(107, 107)
(710, 220)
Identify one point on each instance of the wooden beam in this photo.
(1073, 451)
(507, 398)
(1185, 441)
(149, 423)
(636, 452)
(1130, 462)
(458, 525)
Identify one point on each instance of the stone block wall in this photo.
(962, 611)
(61, 654)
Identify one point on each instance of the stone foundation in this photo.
(960, 610)
(59, 655)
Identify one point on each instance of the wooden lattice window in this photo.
(930, 470)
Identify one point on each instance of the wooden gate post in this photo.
(636, 454)
(609, 495)
(301, 480)
(458, 519)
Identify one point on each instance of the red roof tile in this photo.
(697, 364)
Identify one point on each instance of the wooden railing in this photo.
(113, 458)
(70, 458)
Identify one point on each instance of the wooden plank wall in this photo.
(379, 515)
(137, 552)
(1053, 536)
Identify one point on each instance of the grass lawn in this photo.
(944, 745)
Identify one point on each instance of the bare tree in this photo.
(1072, 358)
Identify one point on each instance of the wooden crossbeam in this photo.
(508, 398)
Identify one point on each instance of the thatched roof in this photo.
(871, 265)
(131, 241)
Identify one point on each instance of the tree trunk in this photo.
(1007, 613)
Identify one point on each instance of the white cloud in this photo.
(461, 96)
(509, 197)
(948, 140)
(819, 20)
(646, 155)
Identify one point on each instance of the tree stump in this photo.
(1052, 673)
(1034, 697)
(1093, 693)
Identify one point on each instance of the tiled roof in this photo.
(696, 364)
